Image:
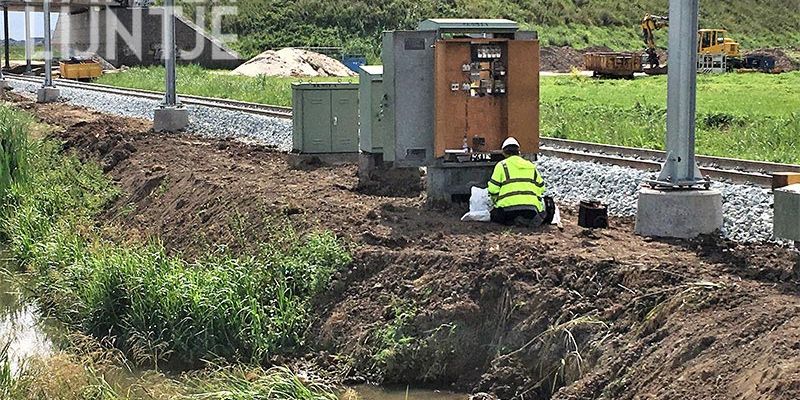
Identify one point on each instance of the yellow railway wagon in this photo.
(85, 69)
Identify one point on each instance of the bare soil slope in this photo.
(570, 314)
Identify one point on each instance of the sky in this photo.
(16, 23)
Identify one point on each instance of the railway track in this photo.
(234, 105)
(734, 170)
(731, 169)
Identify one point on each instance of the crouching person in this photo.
(516, 189)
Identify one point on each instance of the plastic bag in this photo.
(480, 206)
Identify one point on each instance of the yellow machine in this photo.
(79, 69)
(651, 23)
(716, 41)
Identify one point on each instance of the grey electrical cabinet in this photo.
(325, 117)
(372, 109)
(408, 80)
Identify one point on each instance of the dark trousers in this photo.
(530, 218)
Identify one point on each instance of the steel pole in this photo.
(28, 44)
(48, 50)
(170, 98)
(680, 169)
(6, 38)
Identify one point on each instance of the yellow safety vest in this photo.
(516, 185)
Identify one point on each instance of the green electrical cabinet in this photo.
(325, 117)
(372, 109)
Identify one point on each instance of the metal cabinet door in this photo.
(317, 121)
(344, 104)
(408, 80)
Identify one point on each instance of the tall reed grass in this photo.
(13, 149)
(156, 307)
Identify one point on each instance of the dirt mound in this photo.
(783, 62)
(549, 314)
(560, 59)
(293, 62)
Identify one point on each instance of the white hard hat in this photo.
(510, 142)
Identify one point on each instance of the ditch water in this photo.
(22, 328)
(367, 392)
(29, 335)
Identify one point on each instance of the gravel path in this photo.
(747, 208)
(206, 121)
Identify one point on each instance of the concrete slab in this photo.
(47, 95)
(681, 214)
(786, 222)
(170, 119)
(453, 182)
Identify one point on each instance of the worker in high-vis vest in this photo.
(516, 189)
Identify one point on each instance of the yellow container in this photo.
(80, 70)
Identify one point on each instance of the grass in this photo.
(195, 80)
(155, 307)
(750, 116)
(356, 25)
(89, 371)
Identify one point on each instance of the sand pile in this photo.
(293, 62)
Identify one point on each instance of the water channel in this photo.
(29, 335)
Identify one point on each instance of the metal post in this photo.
(7, 39)
(170, 116)
(170, 98)
(680, 169)
(28, 40)
(48, 50)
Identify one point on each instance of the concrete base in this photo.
(4, 84)
(170, 119)
(786, 222)
(381, 178)
(47, 95)
(307, 161)
(453, 182)
(682, 214)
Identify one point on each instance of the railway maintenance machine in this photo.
(454, 90)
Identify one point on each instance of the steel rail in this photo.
(234, 105)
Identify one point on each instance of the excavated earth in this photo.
(565, 314)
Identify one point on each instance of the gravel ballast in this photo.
(747, 208)
(205, 121)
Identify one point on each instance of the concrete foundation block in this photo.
(170, 119)
(681, 214)
(307, 161)
(786, 223)
(453, 182)
(47, 95)
(381, 178)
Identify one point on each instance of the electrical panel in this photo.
(487, 89)
(459, 87)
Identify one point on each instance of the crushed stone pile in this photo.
(783, 62)
(293, 62)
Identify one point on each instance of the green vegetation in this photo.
(751, 116)
(357, 24)
(195, 80)
(88, 372)
(153, 306)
